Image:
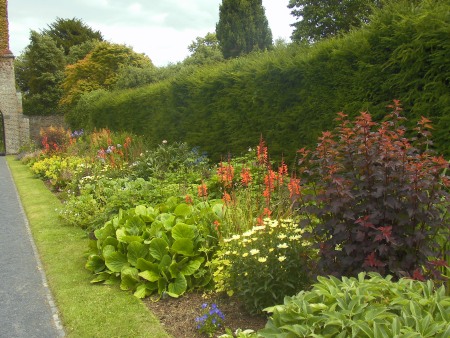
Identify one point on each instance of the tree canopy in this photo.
(71, 32)
(204, 50)
(99, 70)
(320, 19)
(242, 27)
(39, 73)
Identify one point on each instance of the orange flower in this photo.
(202, 190)
(294, 187)
(216, 225)
(246, 177)
(226, 198)
(188, 199)
(261, 152)
(226, 174)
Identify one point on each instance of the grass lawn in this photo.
(86, 310)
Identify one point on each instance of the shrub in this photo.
(360, 307)
(380, 198)
(60, 171)
(99, 198)
(161, 249)
(172, 161)
(264, 264)
(54, 139)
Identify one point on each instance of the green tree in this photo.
(320, 19)
(204, 51)
(98, 70)
(39, 73)
(71, 32)
(242, 27)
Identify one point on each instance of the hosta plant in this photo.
(367, 306)
(380, 197)
(159, 250)
(264, 264)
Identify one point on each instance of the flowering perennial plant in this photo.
(211, 319)
(264, 264)
(381, 198)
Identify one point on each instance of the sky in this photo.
(161, 29)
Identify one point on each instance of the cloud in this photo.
(162, 29)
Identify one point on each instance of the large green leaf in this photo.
(191, 266)
(95, 263)
(143, 264)
(129, 277)
(135, 222)
(178, 286)
(152, 273)
(108, 249)
(110, 241)
(123, 237)
(165, 263)
(101, 277)
(183, 210)
(182, 230)
(158, 248)
(116, 261)
(106, 231)
(183, 246)
(136, 250)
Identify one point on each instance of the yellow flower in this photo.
(245, 254)
(294, 238)
(282, 246)
(271, 249)
(282, 258)
(282, 236)
(254, 251)
(262, 259)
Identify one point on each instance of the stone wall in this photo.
(38, 122)
(16, 132)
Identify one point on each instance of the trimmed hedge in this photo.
(291, 94)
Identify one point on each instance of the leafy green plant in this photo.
(380, 198)
(162, 249)
(176, 162)
(211, 319)
(97, 198)
(59, 170)
(264, 264)
(362, 307)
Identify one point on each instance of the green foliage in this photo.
(264, 264)
(59, 171)
(381, 199)
(204, 51)
(362, 307)
(68, 33)
(98, 197)
(98, 70)
(242, 27)
(322, 19)
(39, 74)
(290, 94)
(175, 162)
(159, 250)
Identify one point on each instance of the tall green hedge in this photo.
(291, 94)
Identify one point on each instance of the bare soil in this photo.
(177, 315)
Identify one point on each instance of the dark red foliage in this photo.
(379, 199)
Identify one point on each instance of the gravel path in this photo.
(26, 305)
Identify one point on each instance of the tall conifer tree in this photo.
(242, 27)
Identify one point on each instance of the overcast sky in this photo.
(162, 29)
